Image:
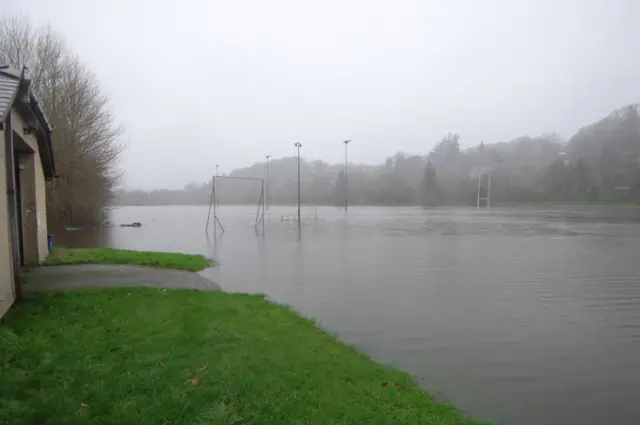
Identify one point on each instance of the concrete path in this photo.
(55, 278)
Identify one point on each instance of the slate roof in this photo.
(9, 84)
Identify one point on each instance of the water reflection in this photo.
(517, 316)
(90, 237)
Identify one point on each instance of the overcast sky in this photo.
(201, 82)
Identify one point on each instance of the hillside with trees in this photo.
(604, 160)
(600, 163)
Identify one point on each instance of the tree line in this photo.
(85, 137)
(601, 162)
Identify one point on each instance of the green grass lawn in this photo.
(167, 260)
(153, 356)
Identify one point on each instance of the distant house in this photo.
(26, 162)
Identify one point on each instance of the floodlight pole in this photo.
(298, 145)
(261, 205)
(266, 187)
(260, 216)
(211, 200)
(213, 196)
(346, 178)
(216, 221)
(217, 175)
(478, 200)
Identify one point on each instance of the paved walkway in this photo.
(54, 278)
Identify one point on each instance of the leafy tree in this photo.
(558, 180)
(446, 152)
(85, 136)
(392, 189)
(582, 179)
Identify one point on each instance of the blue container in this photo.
(49, 242)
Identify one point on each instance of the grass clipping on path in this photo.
(167, 260)
(153, 356)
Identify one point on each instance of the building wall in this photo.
(28, 208)
(34, 212)
(34, 203)
(7, 295)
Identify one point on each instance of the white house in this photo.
(26, 162)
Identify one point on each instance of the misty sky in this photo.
(199, 82)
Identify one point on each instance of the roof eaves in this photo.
(33, 106)
(13, 74)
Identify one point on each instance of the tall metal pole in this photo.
(478, 200)
(346, 178)
(298, 145)
(213, 197)
(217, 175)
(266, 187)
(213, 186)
(489, 190)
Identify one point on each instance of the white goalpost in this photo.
(214, 204)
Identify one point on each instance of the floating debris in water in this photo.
(135, 224)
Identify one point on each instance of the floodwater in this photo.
(519, 317)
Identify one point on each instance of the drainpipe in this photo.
(12, 201)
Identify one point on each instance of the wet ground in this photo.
(521, 316)
(55, 278)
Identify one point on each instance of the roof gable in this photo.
(15, 92)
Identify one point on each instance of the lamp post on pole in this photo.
(217, 175)
(346, 179)
(298, 145)
(266, 189)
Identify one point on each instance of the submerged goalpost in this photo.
(213, 204)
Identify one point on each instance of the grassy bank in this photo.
(152, 356)
(167, 260)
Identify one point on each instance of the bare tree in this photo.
(85, 137)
